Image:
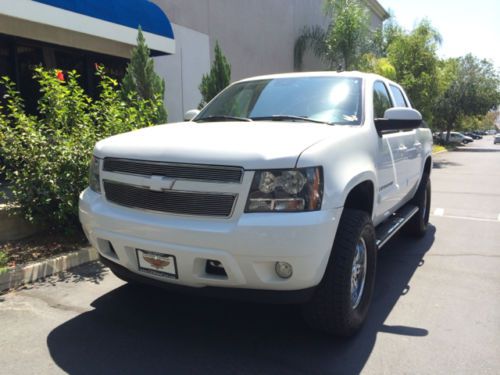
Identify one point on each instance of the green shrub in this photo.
(46, 156)
(142, 79)
(3, 262)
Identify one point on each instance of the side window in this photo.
(381, 99)
(398, 97)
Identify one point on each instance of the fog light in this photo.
(283, 269)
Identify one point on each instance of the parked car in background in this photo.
(456, 137)
(473, 135)
(479, 134)
(496, 139)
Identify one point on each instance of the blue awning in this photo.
(103, 20)
(130, 13)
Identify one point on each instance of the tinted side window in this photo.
(398, 97)
(381, 100)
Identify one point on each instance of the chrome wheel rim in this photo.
(358, 273)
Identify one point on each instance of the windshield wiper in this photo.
(222, 118)
(290, 117)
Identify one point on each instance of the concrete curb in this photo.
(439, 152)
(30, 273)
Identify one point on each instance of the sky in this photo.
(466, 26)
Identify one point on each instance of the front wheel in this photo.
(341, 302)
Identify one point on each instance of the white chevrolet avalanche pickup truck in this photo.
(282, 189)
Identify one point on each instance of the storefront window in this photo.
(19, 57)
(6, 64)
(28, 58)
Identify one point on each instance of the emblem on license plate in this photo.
(156, 262)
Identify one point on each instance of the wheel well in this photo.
(361, 197)
(427, 167)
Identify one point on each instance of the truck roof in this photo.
(353, 74)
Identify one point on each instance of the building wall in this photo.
(183, 71)
(257, 37)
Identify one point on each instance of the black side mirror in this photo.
(396, 119)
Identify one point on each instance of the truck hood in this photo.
(251, 145)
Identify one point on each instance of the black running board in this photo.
(393, 224)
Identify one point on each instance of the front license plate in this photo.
(157, 264)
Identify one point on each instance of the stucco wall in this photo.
(183, 71)
(257, 36)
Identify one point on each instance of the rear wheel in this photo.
(417, 226)
(341, 302)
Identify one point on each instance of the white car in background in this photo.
(456, 137)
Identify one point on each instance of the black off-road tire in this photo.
(417, 225)
(331, 309)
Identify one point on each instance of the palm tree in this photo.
(346, 38)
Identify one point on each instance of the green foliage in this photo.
(383, 37)
(141, 80)
(414, 57)
(3, 262)
(218, 78)
(470, 87)
(46, 156)
(477, 122)
(344, 41)
(382, 66)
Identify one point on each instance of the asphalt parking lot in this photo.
(436, 308)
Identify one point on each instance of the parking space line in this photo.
(439, 212)
(469, 218)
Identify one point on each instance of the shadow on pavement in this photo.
(92, 272)
(136, 329)
(441, 164)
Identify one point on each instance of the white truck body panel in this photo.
(249, 244)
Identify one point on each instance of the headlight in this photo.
(94, 175)
(289, 190)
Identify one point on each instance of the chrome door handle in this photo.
(402, 148)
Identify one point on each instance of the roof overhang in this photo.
(378, 9)
(108, 27)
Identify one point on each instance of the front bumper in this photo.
(247, 246)
(247, 295)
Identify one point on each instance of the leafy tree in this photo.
(414, 57)
(384, 36)
(480, 122)
(344, 41)
(142, 79)
(471, 87)
(218, 78)
(382, 66)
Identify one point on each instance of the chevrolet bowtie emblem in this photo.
(155, 262)
(160, 183)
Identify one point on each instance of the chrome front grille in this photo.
(175, 202)
(172, 170)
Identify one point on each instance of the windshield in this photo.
(333, 100)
